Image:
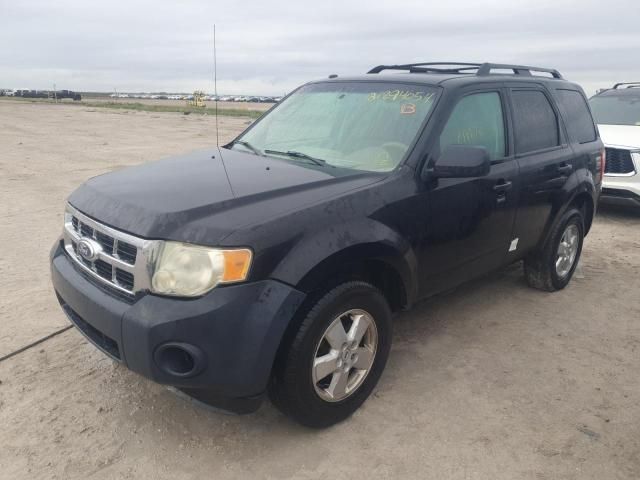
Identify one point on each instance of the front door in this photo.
(470, 220)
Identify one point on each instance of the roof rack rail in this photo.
(629, 85)
(486, 68)
(481, 69)
(428, 67)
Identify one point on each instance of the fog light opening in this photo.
(179, 360)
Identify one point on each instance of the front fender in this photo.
(319, 254)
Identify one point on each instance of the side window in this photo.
(577, 116)
(534, 121)
(477, 120)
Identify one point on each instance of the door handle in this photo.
(502, 187)
(565, 168)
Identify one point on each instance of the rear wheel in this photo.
(336, 358)
(552, 268)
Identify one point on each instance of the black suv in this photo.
(274, 264)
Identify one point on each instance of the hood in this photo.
(206, 195)
(620, 136)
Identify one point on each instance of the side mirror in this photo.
(462, 161)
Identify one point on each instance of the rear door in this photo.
(470, 220)
(545, 159)
(581, 130)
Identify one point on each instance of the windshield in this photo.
(620, 109)
(356, 125)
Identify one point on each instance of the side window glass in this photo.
(534, 121)
(477, 120)
(577, 116)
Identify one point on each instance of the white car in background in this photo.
(617, 112)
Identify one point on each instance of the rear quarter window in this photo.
(577, 116)
(535, 121)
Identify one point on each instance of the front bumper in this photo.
(233, 332)
(621, 190)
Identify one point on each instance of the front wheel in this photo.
(336, 358)
(552, 268)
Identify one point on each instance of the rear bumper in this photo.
(232, 333)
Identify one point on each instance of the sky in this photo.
(270, 47)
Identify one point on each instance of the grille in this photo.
(119, 259)
(110, 246)
(106, 287)
(107, 243)
(102, 341)
(619, 162)
(126, 252)
(125, 279)
(103, 269)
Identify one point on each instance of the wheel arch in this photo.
(584, 202)
(367, 250)
(373, 263)
(580, 197)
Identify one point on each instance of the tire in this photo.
(293, 388)
(540, 268)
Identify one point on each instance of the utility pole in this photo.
(215, 82)
(55, 94)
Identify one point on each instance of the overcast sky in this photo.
(269, 47)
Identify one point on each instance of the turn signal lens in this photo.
(236, 265)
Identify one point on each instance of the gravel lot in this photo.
(491, 381)
(181, 103)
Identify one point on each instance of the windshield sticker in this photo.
(407, 109)
(401, 95)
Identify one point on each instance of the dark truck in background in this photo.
(274, 264)
(57, 94)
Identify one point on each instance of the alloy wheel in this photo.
(344, 355)
(567, 250)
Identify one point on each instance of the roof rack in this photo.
(629, 85)
(481, 69)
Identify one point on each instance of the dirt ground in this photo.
(180, 103)
(492, 381)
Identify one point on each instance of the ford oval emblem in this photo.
(88, 249)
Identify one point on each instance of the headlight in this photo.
(190, 270)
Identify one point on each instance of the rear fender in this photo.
(579, 184)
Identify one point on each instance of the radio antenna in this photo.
(215, 82)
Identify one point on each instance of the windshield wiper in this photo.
(294, 154)
(246, 144)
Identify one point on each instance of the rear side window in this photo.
(477, 120)
(577, 116)
(535, 122)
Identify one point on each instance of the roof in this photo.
(620, 92)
